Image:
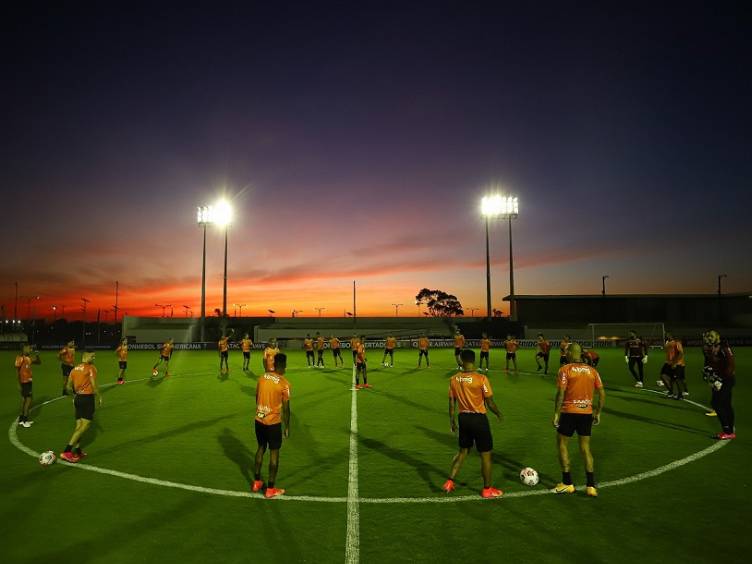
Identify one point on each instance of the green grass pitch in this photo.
(196, 429)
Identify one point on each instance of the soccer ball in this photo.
(529, 477)
(47, 458)
(155, 373)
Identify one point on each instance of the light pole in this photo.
(721, 277)
(473, 310)
(203, 218)
(223, 218)
(239, 308)
(504, 207)
(187, 310)
(603, 284)
(164, 307)
(319, 309)
(396, 309)
(296, 312)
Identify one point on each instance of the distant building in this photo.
(688, 310)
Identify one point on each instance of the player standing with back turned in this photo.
(23, 368)
(122, 354)
(459, 344)
(636, 354)
(67, 356)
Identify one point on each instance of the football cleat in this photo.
(69, 457)
(562, 488)
(725, 436)
(638, 384)
(121, 381)
(27, 424)
(367, 386)
(591, 491)
(257, 485)
(273, 492)
(711, 413)
(448, 486)
(81, 455)
(660, 383)
(491, 492)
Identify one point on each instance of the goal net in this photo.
(613, 334)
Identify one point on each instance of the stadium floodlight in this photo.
(721, 277)
(222, 216)
(502, 207)
(204, 217)
(603, 284)
(396, 309)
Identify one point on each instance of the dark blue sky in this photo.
(356, 142)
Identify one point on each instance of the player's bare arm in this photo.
(493, 408)
(598, 408)
(286, 418)
(452, 419)
(558, 401)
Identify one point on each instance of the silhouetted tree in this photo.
(439, 303)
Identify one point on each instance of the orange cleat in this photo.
(273, 492)
(491, 492)
(448, 486)
(69, 457)
(257, 485)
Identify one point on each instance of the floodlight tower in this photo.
(504, 207)
(490, 207)
(223, 218)
(204, 216)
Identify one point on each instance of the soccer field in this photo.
(170, 463)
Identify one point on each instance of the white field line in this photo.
(352, 499)
(352, 538)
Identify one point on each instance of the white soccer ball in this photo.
(47, 458)
(529, 477)
(155, 373)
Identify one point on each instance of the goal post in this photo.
(611, 334)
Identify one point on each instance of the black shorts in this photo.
(474, 429)
(360, 366)
(679, 372)
(337, 352)
(457, 351)
(544, 356)
(320, 352)
(165, 358)
(123, 364)
(309, 354)
(594, 362)
(246, 354)
(390, 352)
(224, 354)
(66, 368)
(563, 360)
(571, 422)
(484, 354)
(666, 370)
(25, 389)
(423, 352)
(511, 356)
(84, 405)
(269, 435)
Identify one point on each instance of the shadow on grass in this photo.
(658, 401)
(236, 451)
(656, 422)
(431, 475)
(408, 402)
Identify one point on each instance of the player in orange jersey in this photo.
(335, 346)
(590, 357)
(223, 346)
(485, 348)
(165, 354)
(511, 345)
(319, 344)
(82, 382)
(354, 347)
(472, 393)
(308, 346)
(678, 367)
(423, 344)
(360, 364)
(269, 353)
(563, 345)
(574, 412)
(459, 344)
(122, 354)
(67, 356)
(543, 349)
(272, 411)
(389, 345)
(246, 344)
(23, 369)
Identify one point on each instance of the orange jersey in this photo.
(578, 382)
(320, 343)
(84, 377)
(308, 344)
(334, 343)
(391, 343)
(67, 355)
(269, 353)
(167, 349)
(459, 341)
(485, 345)
(246, 345)
(354, 343)
(470, 389)
(511, 345)
(223, 345)
(23, 368)
(668, 348)
(272, 390)
(122, 353)
(592, 355)
(423, 343)
(544, 346)
(361, 353)
(678, 356)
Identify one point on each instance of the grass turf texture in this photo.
(196, 428)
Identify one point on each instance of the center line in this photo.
(352, 543)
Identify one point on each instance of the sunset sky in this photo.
(355, 144)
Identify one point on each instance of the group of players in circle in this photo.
(470, 393)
